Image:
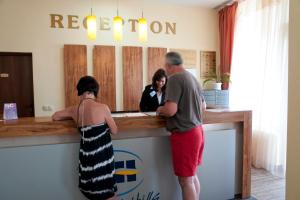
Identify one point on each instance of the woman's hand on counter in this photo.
(63, 114)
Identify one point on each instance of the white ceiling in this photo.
(204, 3)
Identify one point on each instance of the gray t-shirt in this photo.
(184, 90)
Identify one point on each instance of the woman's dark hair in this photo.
(158, 75)
(87, 84)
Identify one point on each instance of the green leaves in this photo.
(223, 78)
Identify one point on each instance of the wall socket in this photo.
(47, 108)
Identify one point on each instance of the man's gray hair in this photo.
(173, 58)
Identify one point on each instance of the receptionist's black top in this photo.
(150, 100)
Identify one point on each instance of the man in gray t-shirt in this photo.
(184, 108)
(184, 90)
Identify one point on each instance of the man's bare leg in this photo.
(188, 188)
(197, 185)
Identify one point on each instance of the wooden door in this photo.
(16, 82)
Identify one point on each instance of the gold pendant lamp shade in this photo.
(91, 27)
(143, 32)
(118, 25)
(118, 28)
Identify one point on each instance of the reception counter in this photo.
(142, 139)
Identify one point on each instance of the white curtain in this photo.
(259, 77)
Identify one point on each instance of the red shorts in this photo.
(187, 149)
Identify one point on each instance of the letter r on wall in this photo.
(56, 21)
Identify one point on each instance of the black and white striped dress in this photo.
(96, 162)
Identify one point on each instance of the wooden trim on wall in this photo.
(75, 66)
(132, 77)
(156, 60)
(104, 67)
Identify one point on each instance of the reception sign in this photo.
(60, 21)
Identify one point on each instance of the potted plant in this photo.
(217, 81)
(225, 79)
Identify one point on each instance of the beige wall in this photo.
(25, 27)
(293, 147)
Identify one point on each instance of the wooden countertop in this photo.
(44, 126)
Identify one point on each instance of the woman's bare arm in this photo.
(63, 114)
(110, 121)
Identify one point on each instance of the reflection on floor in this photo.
(265, 186)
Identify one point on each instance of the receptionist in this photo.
(154, 94)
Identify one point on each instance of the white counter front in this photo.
(144, 169)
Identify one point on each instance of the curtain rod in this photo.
(226, 3)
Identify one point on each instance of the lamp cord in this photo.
(117, 7)
(91, 7)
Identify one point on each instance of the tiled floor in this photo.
(265, 186)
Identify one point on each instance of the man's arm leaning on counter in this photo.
(168, 110)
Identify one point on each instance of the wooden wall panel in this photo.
(132, 77)
(156, 60)
(105, 73)
(75, 66)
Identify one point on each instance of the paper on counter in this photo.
(118, 115)
(150, 113)
(135, 115)
(128, 115)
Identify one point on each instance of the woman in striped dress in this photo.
(96, 159)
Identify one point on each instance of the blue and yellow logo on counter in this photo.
(128, 174)
(125, 171)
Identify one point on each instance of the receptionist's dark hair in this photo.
(87, 84)
(159, 74)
